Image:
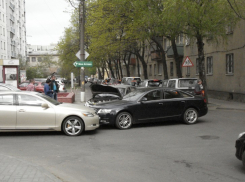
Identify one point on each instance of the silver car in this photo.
(7, 87)
(27, 111)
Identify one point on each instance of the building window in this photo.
(155, 69)
(171, 69)
(229, 64)
(197, 66)
(160, 68)
(33, 59)
(150, 70)
(3, 17)
(28, 59)
(39, 59)
(188, 73)
(3, 31)
(4, 45)
(210, 65)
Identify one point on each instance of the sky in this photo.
(46, 20)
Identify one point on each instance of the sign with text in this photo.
(78, 64)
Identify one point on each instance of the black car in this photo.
(104, 93)
(240, 148)
(152, 104)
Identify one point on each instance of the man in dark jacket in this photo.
(198, 89)
(54, 87)
(47, 89)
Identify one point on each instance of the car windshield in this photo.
(12, 87)
(135, 95)
(187, 82)
(49, 99)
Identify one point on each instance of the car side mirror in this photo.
(45, 105)
(143, 99)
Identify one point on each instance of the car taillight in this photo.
(205, 101)
(203, 93)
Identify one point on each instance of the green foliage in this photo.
(33, 72)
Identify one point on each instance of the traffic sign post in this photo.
(86, 64)
(187, 62)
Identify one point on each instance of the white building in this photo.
(12, 29)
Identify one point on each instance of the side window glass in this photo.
(28, 100)
(171, 83)
(172, 95)
(6, 99)
(35, 84)
(3, 88)
(154, 95)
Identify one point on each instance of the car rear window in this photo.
(154, 83)
(171, 83)
(187, 83)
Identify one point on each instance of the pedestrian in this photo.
(198, 87)
(31, 86)
(47, 89)
(54, 87)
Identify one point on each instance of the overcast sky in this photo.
(46, 20)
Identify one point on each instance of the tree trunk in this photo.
(141, 58)
(103, 72)
(99, 72)
(117, 70)
(177, 58)
(127, 65)
(110, 68)
(120, 70)
(162, 55)
(201, 62)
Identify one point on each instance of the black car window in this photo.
(2, 88)
(154, 95)
(172, 94)
(171, 83)
(6, 99)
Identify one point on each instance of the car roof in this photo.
(155, 88)
(18, 92)
(121, 86)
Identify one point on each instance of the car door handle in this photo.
(160, 103)
(21, 110)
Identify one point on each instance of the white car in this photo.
(32, 111)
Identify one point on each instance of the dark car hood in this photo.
(114, 104)
(101, 89)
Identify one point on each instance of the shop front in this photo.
(9, 71)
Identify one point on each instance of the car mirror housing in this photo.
(143, 99)
(45, 105)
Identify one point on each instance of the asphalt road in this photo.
(168, 151)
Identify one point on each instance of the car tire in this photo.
(190, 116)
(243, 159)
(124, 121)
(73, 126)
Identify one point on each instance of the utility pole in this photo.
(82, 51)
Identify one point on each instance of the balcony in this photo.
(180, 49)
(12, 42)
(155, 55)
(12, 18)
(12, 6)
(13, 54)
(12, 30)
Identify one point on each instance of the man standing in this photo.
(47, 90)
(54, 87)
(31, 86)
(198, 87)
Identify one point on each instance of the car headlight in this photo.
(88, 114)
(241, 134)
(105, 111)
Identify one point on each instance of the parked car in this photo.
(34, 111)
(39, 86)
(129, 80)
(152, 104)
(150, 83)
(102, 93)
(164, 83)
(240, 148)
(185, 84)
(7, 87)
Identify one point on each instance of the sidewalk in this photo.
(14, 170)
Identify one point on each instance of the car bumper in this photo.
(203, 111)
(107, 118)
(92, 123)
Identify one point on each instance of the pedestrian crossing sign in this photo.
(187, 62)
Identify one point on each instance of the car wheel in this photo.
(190, 116)
(73, 126)
(124, 121)
(243, 159)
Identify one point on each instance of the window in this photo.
(39, 59)
(33, 59)
(4, 45)
(171, 83)
(171, 69)
(155, 69)
(3, 31)
(210, 65)
(154, 95)
(172, 95)
(6, 99)
(150, 71)
(188, 72)
(160, 68)
(3, 17)
(28, 59)
(229, 64)
(197, 66)
(28, 100)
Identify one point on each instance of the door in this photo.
(30, 114)
(7, 111)
(150, 109)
